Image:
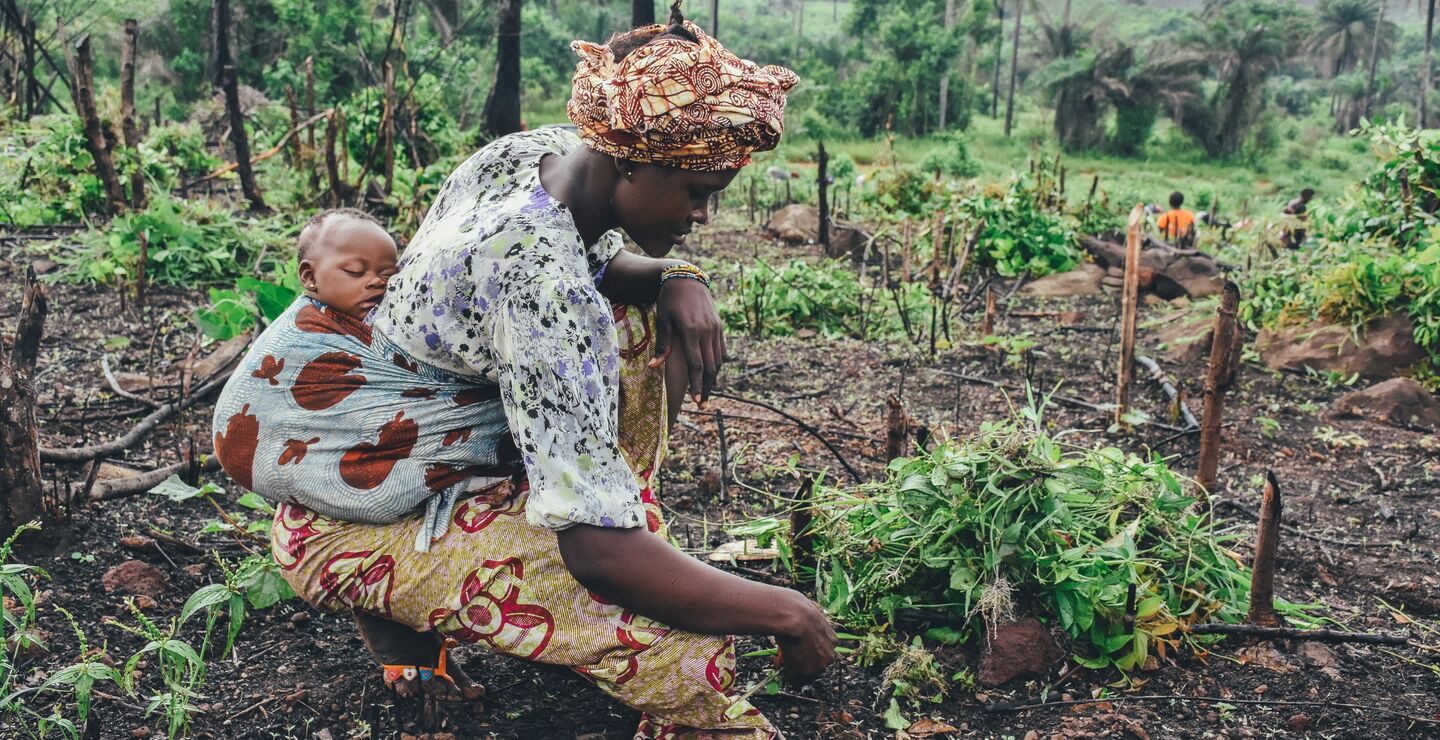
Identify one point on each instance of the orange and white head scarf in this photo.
(694, 106)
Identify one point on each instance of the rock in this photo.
(1399, 401)
(1112, 282)
(43, 265)
(135, 577)
(1032, 735)
(1299, 723)
(1384, 349)
(1176, 272)
(800, 224)
(140, 733)
(1197, 274)
(1184, 339)
(1083, 280)
(299, 618)
(197, 569)
(145, 603)
(1024, 648)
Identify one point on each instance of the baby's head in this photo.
(346, 257)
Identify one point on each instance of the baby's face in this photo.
(348, 266)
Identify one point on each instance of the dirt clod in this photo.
(1299, 722)
(135, 577)
(1025, 648)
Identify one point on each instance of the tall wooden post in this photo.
(83, 93)
(31, 98)
(1129, 313)
(310, 99)
(295, 151)
(1223, 355)
(229, 83)
(824, 160)
(127, 112)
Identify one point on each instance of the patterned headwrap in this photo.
(676, 103)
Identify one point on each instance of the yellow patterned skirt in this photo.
(496, 581)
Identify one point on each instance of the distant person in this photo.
(1177, 225)
(1295, 233)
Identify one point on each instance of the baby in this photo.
(328, 413)
(346, 258)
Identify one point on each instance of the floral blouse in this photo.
(498, 285)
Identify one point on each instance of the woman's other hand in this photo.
(686, 316)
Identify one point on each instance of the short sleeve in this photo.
(558, 363)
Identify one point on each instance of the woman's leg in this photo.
(497, 581)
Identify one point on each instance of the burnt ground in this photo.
(1362, 499)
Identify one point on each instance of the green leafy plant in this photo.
(827, 298)
(233, 312)
(974, 531)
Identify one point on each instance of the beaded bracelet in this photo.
(684, 270)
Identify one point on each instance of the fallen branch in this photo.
(107, 490)
(261, 157)
(996, 708)
(1293, 633)
(1156, 374)
(136, 433)
(804, 426)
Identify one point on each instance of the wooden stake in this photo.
(295, 151)
(127, 112)
(897, 429)
(310, 96)
(1223, 352)
(141, 266)
(332, 167)
(1129, 310)
(824, 161)
(802, 540)
(83, 93)
(724, 457)
(987, 326)
(905, 251)
(1267, 541)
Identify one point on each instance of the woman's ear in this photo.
(624, 168)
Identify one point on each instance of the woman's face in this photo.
(657, 206)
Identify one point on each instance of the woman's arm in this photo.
(642, 572)
(685, 312)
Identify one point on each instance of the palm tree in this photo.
(1345, 33)
(1083, 86)
(1245, 42)
(1154, 82)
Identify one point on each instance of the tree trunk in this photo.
(945, 78)
(642, 13)
(502, 108)
(21, 489)
(999, 55)
(229, 83)
(824, 161)
(388, 128)
(1014, 69)
(127, 112)
(715, 18)
(1425, 79)
(96, 142)
(1374, 59)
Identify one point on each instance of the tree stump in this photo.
(21, 488)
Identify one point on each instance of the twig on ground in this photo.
(1292, 633)
(997, 708)
(758, 370)
(121, 392)
(136, 433)
(1067, 400)
(804, 426)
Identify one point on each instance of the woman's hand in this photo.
(686, 315)
(810, 645)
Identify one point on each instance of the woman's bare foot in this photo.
(393, 643)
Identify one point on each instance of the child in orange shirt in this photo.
(1177, 225)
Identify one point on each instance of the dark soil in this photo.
(1362, 500)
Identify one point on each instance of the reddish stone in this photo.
(135, 577)
(1023, 649)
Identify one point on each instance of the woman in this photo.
(510, 283)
